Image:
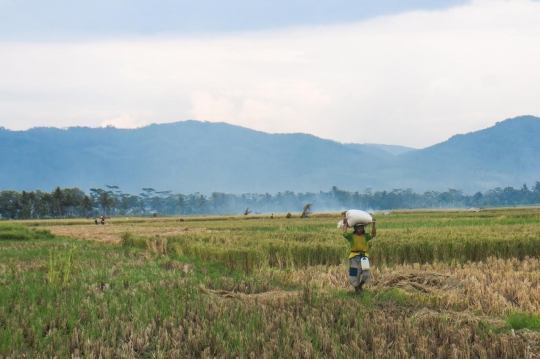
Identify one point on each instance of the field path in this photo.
(112, 233)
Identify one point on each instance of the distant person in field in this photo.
(95, 221)
(358, 240)
(102, 219)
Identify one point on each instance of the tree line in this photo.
(111, 201)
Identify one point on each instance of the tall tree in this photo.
(106, 201)
(27, 204)
(87, 205)
(73, 198)
(58, 198)
(180, 203)
(10, 204)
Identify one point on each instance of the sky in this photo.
(409, 73)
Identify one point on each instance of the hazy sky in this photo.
(409, 73)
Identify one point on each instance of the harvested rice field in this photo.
(446, 284)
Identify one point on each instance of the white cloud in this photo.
(205, 106)
(412, 79)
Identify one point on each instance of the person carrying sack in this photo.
(359, 273)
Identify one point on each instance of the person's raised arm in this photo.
(345, 224)
(373, 228)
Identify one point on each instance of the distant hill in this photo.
(507, 154)
(192, 156)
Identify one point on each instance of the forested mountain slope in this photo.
(193, 156)
(507, 154)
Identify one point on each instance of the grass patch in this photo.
(521, 320)
(395, 296)
(130, 240)
(18, 232)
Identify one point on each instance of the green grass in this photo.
(18, 232)
(519, 321)
(130, 240)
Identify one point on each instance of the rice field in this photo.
(446, 284)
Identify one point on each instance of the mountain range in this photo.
(192, 156)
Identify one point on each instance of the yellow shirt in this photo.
(358, 243)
